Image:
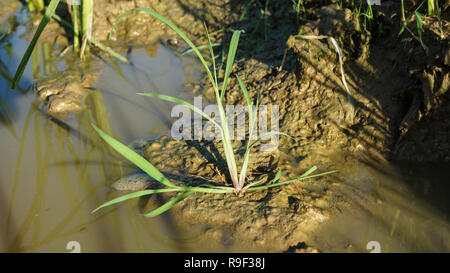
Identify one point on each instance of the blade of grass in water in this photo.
(131, 196)
(94, 42)
(135, 158)
(47, 16)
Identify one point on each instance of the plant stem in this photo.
(403, 11)
(87, 8)
(30, 5)
(76, 34)
(430, 7)
(40, 5)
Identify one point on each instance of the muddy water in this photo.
(396, 207)
(54, 172)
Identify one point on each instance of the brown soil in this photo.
(399, 92)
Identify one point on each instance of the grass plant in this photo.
(419, 24)
(238, 180)
(86, 32)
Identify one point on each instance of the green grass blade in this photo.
(213, 58)
(227, 147)
(23, 63)
(266, 135)
(251, 113)
(254, 184)
(76, 33)
(108, 50)
(419, 24)
(302, 177)
(431, 7)
(175, 28)
(217, 187)
(189, 50)
(277, 176)
(409, 17)
(420, 31)
(138, 160)
(169, 204)
(131, 196)
(93, 41)
(247, 154)
(230, 60)
(251, 125)
(213, 189)
(183, 102)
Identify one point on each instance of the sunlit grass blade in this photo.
(138, 160)
(200, 47)
(254, 184)
(213, 58)
(23, 63)
(247, 154)
(169, 204)
(251, 116)
(108, 50)
(217, 187)
(251, 113)
(403, 10)
(131, 196)
(302, 177)
(431, 7)
(87, 14)
(277, 176)
(230, 61)
(263, 136)
(183, 102)
(76, 33)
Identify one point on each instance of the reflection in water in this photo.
(385, 210)
(54, 172)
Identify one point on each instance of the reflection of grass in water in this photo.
(46, 156)
(36, 205)
(6, 117)
(56, 148)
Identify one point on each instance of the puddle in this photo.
(53, 173)
(391, 210)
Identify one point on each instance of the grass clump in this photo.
(86, 30)
(239, 180)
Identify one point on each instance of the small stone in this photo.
(132, 182)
